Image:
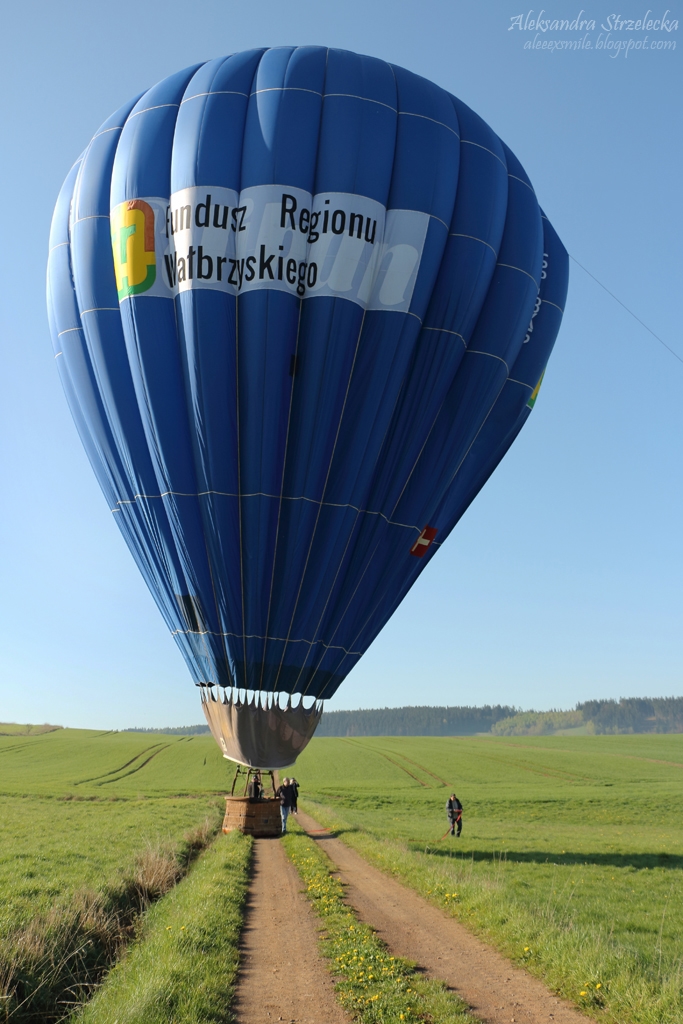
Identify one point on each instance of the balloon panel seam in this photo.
(521, 270)
(468, 142)
(522, 181)
(286, 88)
(258, 636)
(365, 99)
(218, 92)
(445, 330)
(459, 234)
(409, 113)
(549, 303)
(158, 106)
(98, 135)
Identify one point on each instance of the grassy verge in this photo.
(50, 965)
(537, 922)
(183, 967)
(373, 986)
(50, 848)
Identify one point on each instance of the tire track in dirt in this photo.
(495, 990)
(282, 975)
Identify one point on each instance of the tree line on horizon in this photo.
(593, 717)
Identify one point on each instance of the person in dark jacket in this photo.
(295, 789)
(255, 788)
(287, 797)
(454, 814)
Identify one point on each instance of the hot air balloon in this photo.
(301, 303)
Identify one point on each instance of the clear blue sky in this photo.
(564, 580)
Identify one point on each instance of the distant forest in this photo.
(593, 717)
(416, 721)
(634, 714)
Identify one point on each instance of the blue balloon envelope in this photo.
(301, 302)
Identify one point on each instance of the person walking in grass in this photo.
(287, 796)
(295, 799)
(454, 814)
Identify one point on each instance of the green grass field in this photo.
(570, 860)
(80, 763)
(183, 967)
(76, 806)
(92, 825)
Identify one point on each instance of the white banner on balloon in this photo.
(269, 237)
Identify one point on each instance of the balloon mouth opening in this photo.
(258, 730)
(266, 700)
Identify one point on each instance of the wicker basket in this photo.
(259, 818)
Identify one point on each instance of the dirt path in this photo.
(282, 975)
(492, 987)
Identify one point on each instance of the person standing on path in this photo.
(287, 796)
(454, 814)
(295, 800)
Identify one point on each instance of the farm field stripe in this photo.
(14, 746)
(412, 927)
(597, 753)
(386, 756)
(422, 768)
(282, 975)
(138, 768)
(415, 764)
(115, 771)
(556, 773)
(75, 762)
(183, 968)
(372, 984)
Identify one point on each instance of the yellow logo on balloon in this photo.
(132, 239)
(534, 394)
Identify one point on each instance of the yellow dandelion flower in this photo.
(582, 993)
(599, 985)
